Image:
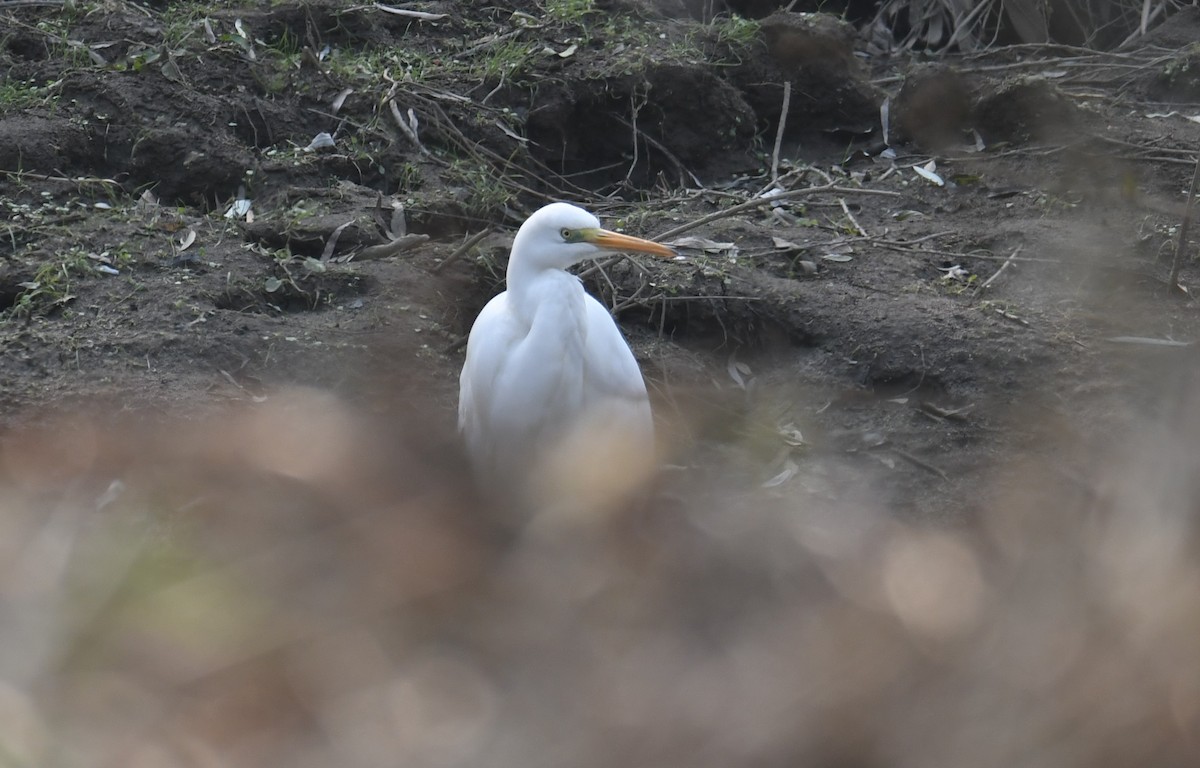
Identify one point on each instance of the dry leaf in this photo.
(418, 15)
(790, 469)
(739, 372)
(928, 173)
(340, 99)
(321, 141)
(702, 244)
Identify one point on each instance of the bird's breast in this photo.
(556, 346)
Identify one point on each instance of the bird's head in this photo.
(560, 235)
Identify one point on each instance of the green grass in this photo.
(485, 191)
(17, 95)
(51, 286)
(568, 11)
(735, 31)
(509, 59)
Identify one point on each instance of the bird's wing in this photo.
(489, 347)
(520, 384)
(612, 373)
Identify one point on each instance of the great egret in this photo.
(549, 381)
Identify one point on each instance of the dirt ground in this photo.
(922, 384)
(915, 332)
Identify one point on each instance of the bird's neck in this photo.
(530, 287)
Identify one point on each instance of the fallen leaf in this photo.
(321, 141)
(340, 99)
(418, 15)
(738, 371)
(790, 468)
(509, 132)
(702, 244)
(884, 112)
(928, 173)
(239, 209)
(955, 272)
(791, 435)
(1152, 342)
(171, 71)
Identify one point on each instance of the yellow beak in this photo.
(614, 241)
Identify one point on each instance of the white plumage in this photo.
(547, 370)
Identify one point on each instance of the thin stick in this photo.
(787, 100)
(790, 175)
(764, 201)
(1177, 263)
(1003, 267)
(854, 221)
(679, 166)
(891, 246)
(462, 250)
(21, 175)
(926, 238)
(409, 132)
(919, 462)
(633, 115)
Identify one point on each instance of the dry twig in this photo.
(846, 210)
(398, 245)
(787, 100)
(462, 250)
(682, 170)
(919, 462)
(1003, 267)
(1181, 246)
(760, 202)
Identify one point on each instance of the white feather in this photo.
(546, 365)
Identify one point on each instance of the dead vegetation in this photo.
(923, 377)
(240, 593)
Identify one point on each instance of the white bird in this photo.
(548, 373)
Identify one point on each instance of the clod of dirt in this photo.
(307, 234)
(296, 285)
(809, 40)
(44, 144)
(933, 107)
(1180, 29)
(1179, 79)
(1025, 109)
(10, 285)
(815, 52)
(757, 9)
(183, 166)
(305, 218)
(667, 118)
(653, 9)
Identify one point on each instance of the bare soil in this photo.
(887, 333)
(932, 448)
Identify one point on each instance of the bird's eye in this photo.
(565, 233)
